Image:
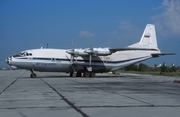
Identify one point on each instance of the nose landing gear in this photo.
(33, 75)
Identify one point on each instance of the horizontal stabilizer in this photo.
(162, 54)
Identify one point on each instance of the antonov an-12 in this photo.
(88, 61)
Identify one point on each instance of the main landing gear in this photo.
(33, 75)
(85, 74)
(88, 72)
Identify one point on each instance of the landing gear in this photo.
(33, 75)
(85, 74)
(78, 74)
(89, 74)
(92, 75)
(75, 74)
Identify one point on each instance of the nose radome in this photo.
(7, 60)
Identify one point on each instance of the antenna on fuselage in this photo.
(41, 46)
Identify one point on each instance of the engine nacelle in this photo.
(77, 52)
(90, 51)
(102, 51)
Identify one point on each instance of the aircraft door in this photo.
(107, 62)
(106, 59)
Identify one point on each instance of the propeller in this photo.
(90, 52)
(71, 52)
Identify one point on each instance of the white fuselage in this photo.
(58, 60)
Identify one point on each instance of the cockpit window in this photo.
(17, 55)
(22, 54)
(25, 54)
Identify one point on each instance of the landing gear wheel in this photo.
(86, 74)
(33, 75)
(92, 74)
(74, 74)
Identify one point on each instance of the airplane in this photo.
(88, 61)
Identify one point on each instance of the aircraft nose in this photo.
(8, 60)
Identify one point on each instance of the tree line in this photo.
(144, 68)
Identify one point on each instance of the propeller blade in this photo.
(71, 59)
(90, 59)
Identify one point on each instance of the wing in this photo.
(129, 48)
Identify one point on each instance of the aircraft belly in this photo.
(41, 66)
(97, 67)
(52, 67)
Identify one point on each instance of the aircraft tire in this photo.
(86, 74)
(92, 75)
(33, 75)
(74, 74)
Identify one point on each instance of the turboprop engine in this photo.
(90, 51)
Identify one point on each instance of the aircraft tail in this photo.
(148, 39)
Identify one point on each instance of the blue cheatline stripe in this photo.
(96, 61)
(21, 58)
(42, 58)
(111, 61)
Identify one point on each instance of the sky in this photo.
(30, 24)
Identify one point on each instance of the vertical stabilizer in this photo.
(148, 39)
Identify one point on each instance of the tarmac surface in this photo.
(58, 95)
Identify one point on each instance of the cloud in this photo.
(86, 34)
(168, 22)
